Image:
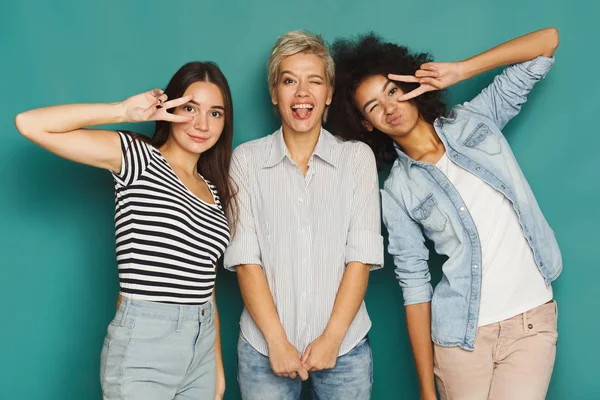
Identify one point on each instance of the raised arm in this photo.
(441, 75)
(60, 129)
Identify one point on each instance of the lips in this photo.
(198, 139)
(302, 110)
(394, 120)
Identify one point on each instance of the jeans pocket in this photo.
(152, 330)
(103, 355)
(544, 323)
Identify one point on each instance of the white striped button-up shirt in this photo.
(304, 230)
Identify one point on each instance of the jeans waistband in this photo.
(164, 311)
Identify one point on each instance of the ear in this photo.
(367, 125)
(329, 96)
(274, 97)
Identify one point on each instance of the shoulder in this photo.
(131, 139)
(360, 152)
(256, 148)
(397, 177)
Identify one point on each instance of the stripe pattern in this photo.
(304, 229)
(168, 240)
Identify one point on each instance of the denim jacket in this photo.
(419, 201)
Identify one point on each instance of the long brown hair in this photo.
(214, 163)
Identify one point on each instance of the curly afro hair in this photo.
(361, 58)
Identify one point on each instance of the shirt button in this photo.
(541, 264)
(475, 266)
(477, 168)
(503, 187)
(300, 200)
(462, 209)
(454, 155)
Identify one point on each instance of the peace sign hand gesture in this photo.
(431, 76)
(153, 106)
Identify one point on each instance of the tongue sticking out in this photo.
(302, 113)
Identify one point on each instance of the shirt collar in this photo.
(279, 150)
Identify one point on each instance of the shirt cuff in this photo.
(242, 250)
(540, 66)
(365, 247)
(417, 295)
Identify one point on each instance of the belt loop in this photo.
(179, 319)
(127, 304)
(525, 322)
(556, 308)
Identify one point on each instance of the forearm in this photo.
(348, 300)
(68, 117)
(259, 302)
(524, 48)
(218, 352)
(418, 320)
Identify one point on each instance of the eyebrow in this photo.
(294, 75)
(368, 103)
(198, 104)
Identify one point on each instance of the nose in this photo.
(390, 107)
(302, 89)
(201, 123)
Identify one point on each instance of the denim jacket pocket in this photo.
(483, 139)
(428, 214)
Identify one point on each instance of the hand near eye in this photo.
(431, 76)
(153, 106)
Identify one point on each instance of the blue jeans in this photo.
(350, 379)
(159, 351)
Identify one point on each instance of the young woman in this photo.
(455, 181)
(171, 192)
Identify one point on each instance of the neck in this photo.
(301, 145)
(421, 142)
(179, 158)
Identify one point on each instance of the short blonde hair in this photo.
(299, 42)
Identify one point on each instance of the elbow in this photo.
(552, 41)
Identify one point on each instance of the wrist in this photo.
(276, 339)
(464, 69)
(120, 112)
(335, 334)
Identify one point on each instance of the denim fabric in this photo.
(351, 378)
(159, 351)
(419, 201)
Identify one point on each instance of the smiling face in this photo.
(208, 111)
(377, 99)
(302, 93)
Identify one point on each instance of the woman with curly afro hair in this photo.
(489, 328)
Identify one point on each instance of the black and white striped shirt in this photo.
(304, 230)
(168, 240)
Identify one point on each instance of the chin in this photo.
(304, 126)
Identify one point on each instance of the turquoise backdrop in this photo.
(58, 283)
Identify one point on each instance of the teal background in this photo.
(58, 284)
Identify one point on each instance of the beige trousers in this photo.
(513, 359)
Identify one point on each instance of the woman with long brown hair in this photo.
(171, 194)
